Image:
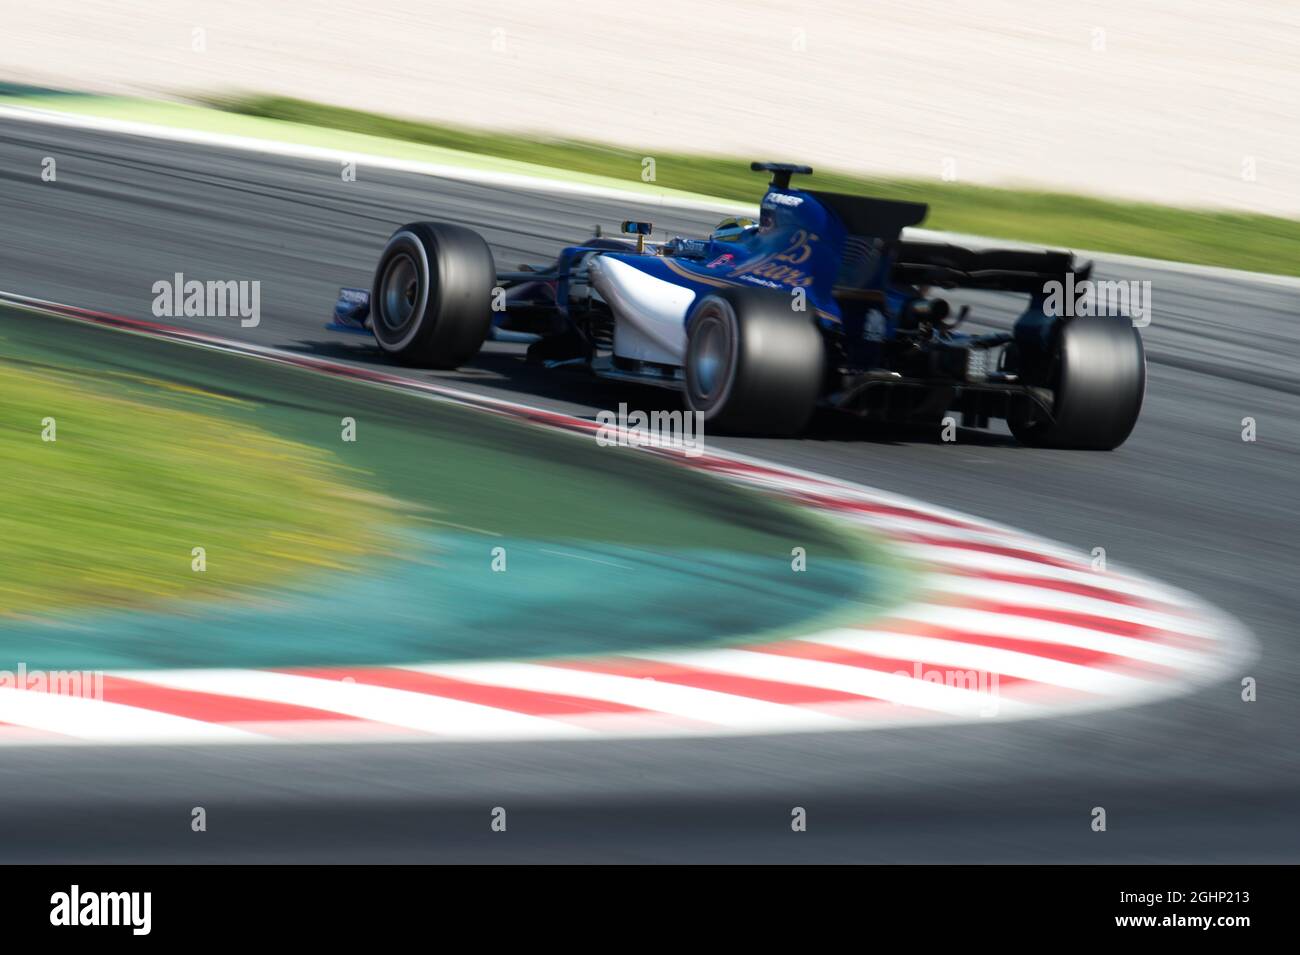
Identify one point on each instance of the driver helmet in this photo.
(733, 229)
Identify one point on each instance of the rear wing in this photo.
(1006, 270)
(871, 218)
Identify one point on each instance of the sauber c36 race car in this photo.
(821, 302)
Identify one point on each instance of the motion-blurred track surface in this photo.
(1186, 500)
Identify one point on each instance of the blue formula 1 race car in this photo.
(820, 302)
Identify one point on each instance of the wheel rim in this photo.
(712, 357)
(399, 292)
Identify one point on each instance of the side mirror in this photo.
(640, 230)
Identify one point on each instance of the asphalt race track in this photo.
(1203, 778)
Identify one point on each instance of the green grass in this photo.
(107, 513)
(322, 550)
(1232, 240)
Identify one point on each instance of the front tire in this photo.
(1097, 370)
(431, 300)
(753, 365)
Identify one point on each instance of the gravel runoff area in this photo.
(1181, 102)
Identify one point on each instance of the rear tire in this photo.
(431, 300)
(1097, 370)
(753, 365)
